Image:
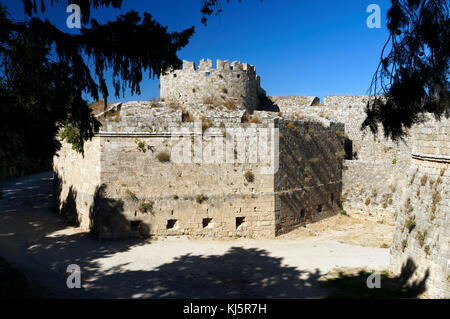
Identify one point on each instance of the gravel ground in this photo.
(39, 243)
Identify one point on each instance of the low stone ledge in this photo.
(432, 158)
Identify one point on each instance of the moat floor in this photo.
(39, 243)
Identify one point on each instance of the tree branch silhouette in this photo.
(413, 78)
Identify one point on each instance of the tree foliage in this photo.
(211, 7)
(413, 78)
(32, 6)
(46, 76)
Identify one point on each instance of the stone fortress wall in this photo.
(308, 183)
(375, 168)
(200, 199)
(406, 182)
(205, 84)
(422, 235)
(120, 188)
(76, 177)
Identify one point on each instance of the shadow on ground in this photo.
(239, 273)
(40, 244)
(13, 284)
(354, 286)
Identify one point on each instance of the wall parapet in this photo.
(206, 65)
(237, 82)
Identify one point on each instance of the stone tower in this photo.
(206, 85)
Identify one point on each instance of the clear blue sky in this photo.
(316, 48)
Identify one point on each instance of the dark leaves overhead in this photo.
(128, 46)
(46, 75)
(414, 76)
(211, 7)
(33, 6)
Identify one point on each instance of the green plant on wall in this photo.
(72, 135)
(343, 213)
(292, 127)
(131, 195)
(146, 207)
(421, 238)
(140, 145)
(410, 224)
(340, 133)
(404, 244)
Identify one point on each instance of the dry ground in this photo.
(348, 229)
(41, 245)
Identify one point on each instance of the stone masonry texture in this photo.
(129, 183)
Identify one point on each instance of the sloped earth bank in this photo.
(41, 245)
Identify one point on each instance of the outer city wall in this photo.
(138, 194)
(308, 183)
(422, 236)
(374, 172)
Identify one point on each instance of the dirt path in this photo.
(41, 245)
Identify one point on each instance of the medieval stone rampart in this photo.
(208, 85)
(137, 192)
(128, 182)
(422, 234)
(375, 167)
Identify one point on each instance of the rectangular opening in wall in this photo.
(172, 224)
(332, 199)
(207, 73)
(319, 208)
(302, 213)
(174, 75)
(348, 148)
(134, 225)
(207, 222)
(240, 221)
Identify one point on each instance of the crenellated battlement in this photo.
(206, 65)
(204, 84)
